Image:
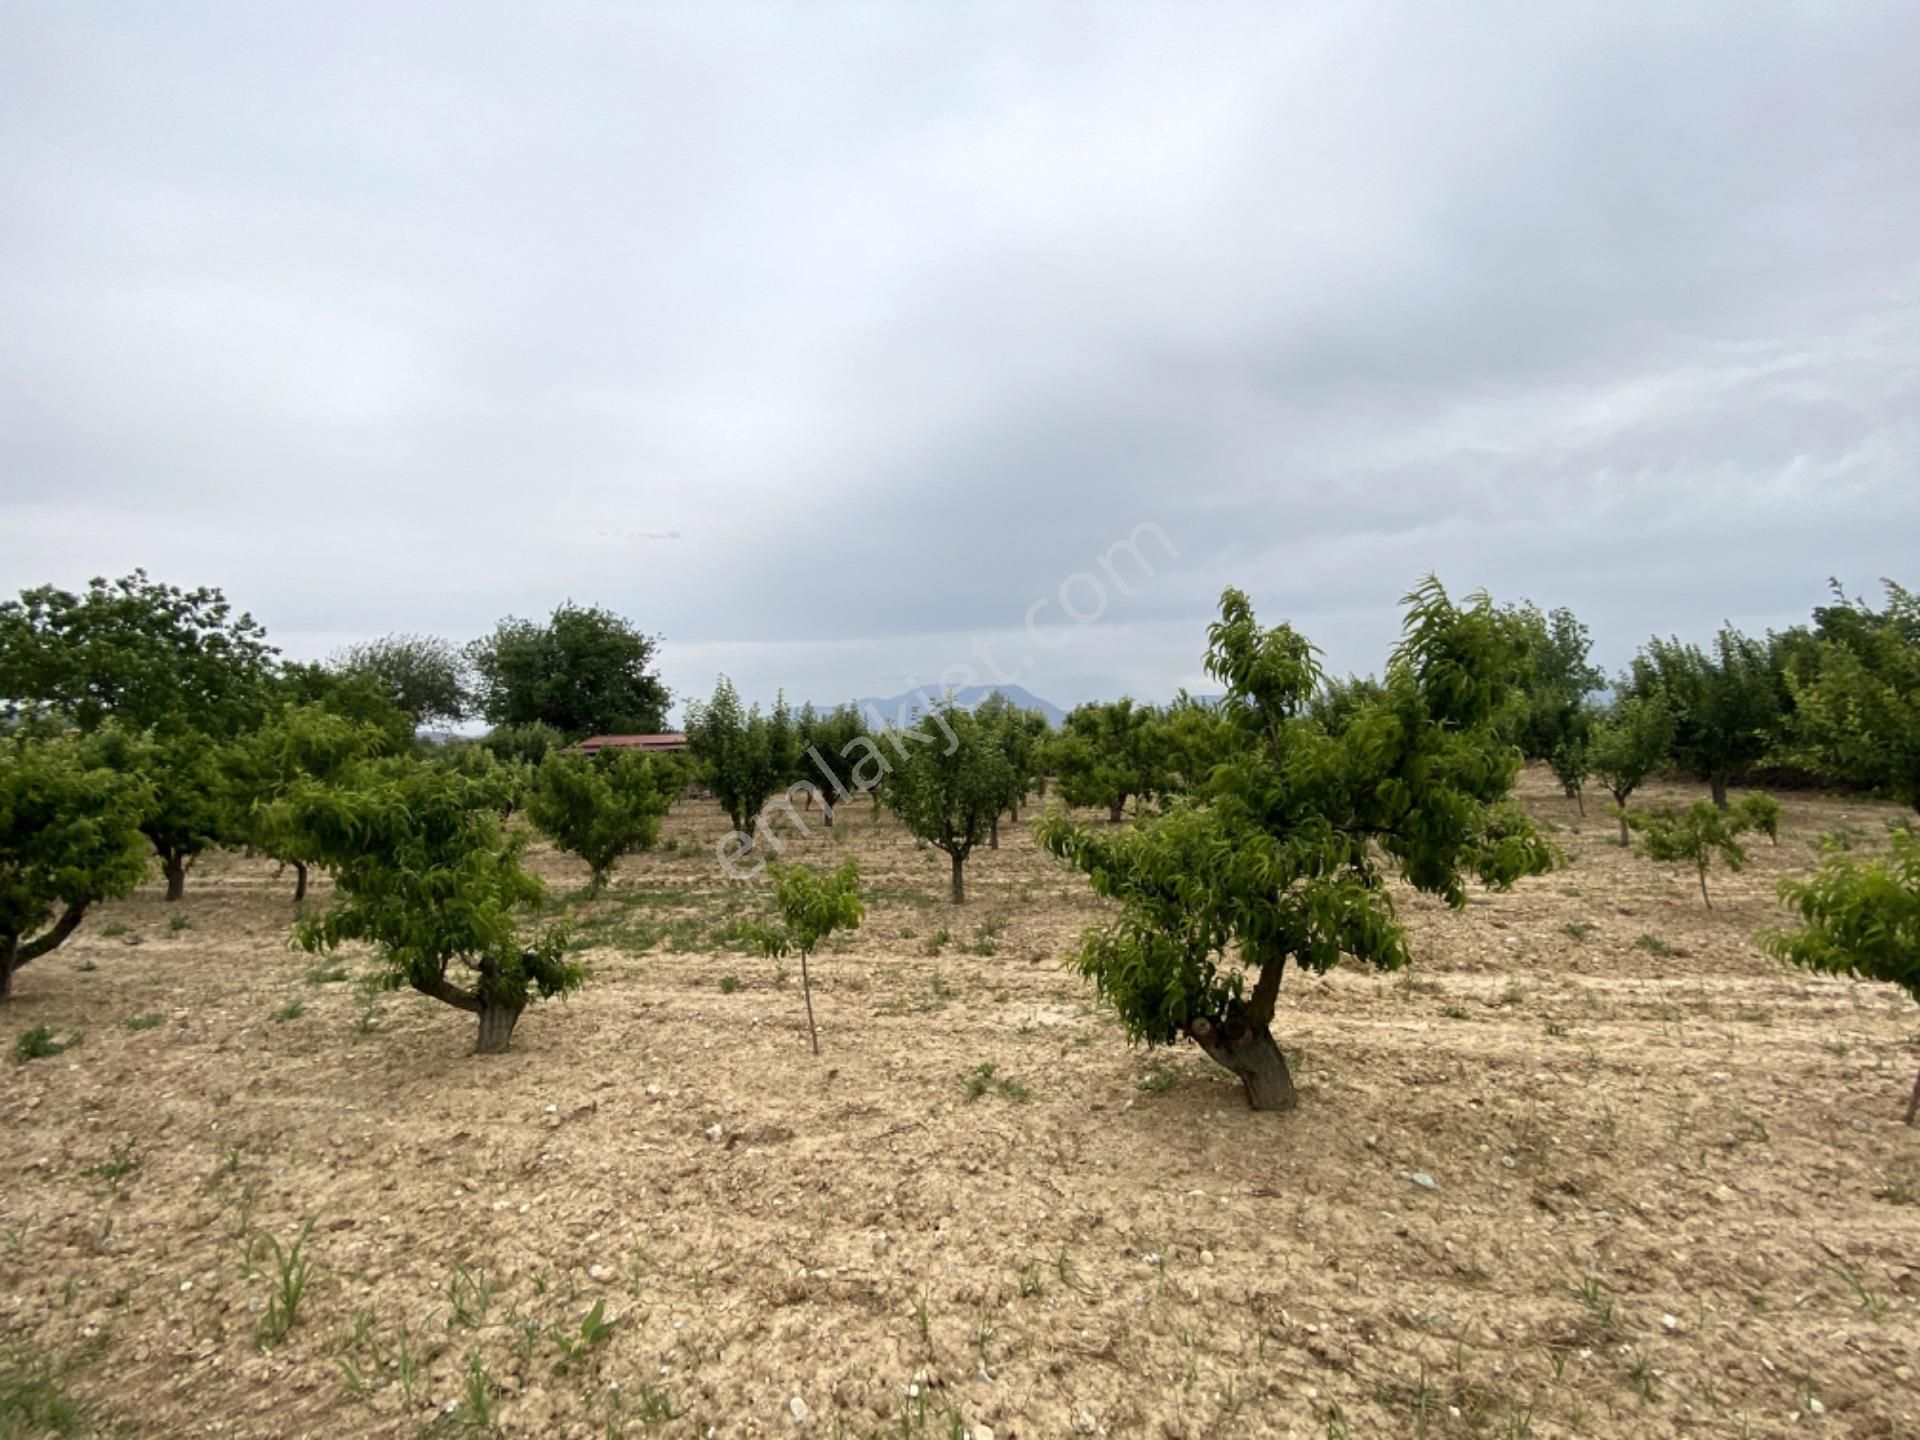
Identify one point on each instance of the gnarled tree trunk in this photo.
(299, 881)
(15, 952)
(959, 891)
(1718, 784)
(1242, 1041)
(174, 866)
(1116, 810)
(496, 1028)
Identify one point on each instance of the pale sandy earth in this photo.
(1705, 1143)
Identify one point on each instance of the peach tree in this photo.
(598, 807)
(69, 838)
(1860, 917)
(1285, 852)
(812, 907)
(426, 873)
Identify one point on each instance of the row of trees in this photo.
(144, 723)
(1837, 699)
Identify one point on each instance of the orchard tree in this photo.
(950, 782)
(1629, 742)
(586, 671)
(177, 671)
(734, 749)
(185, 773)
(425, 872)
(812, 907)
(1286, 853)
(529, 744)
(598, 807)
(424, 676)
(1106, 755)
(351, 695)
(1859, 917)
(69, 838)
(1728, 706)
(1856, 691)
(829, 753)
(1018, 733)
(1558, 679)
(1192, 737)
(1694, 836)
(300, 743)
(1572, 758)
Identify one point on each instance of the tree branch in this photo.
(1266, 990)
(65, 926)
(445, 990)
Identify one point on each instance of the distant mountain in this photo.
(907, 706)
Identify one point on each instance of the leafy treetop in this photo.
(69, 838)
(586, 671)
(1285, 852)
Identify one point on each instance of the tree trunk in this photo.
(1625, 838)
(1247, 1048)
(174, 866)
(496, 1028)
(1703, 888)
(1013, 812)
(1580, 799)
(826, 813)
(993, 832)
(9, 947)
(959, 880)
(1115, 810)
(806, 991)
(299, 881)
(1718, 783)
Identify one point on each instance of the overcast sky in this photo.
(826, 340)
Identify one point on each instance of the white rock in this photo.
(797, 1408)
(1672, 1322)
(1420, 1178)
(982, 1432)
(599, 1272)
(714, 1132)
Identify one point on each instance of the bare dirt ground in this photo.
(1670, 1190)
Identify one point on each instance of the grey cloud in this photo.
(825, 340)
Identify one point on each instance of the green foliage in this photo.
(1694, 836)
(1021, 735)
(69, 838)
(34, 1402)
(1728, 705)
(585, 672)
(1285, 852)
(422, 675)
(351, 695)
(526, 744)
(1556, 680)
(1107, 754)
(1627, 743)
(833, 743)
(292, 1273)
(299, 742)
(425, 872)
(1856, 691)
(735, 749)
(1761, 812)
(949, 784)
(593, 1331)
(812, 907)
(1859, 917)
(598, 807)
(1190, 738)
(177, 672)
(1337, 703)
(148, 655)
(35, 1044)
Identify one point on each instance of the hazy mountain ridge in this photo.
(908, 705)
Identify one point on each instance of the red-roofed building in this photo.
(647, 744)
